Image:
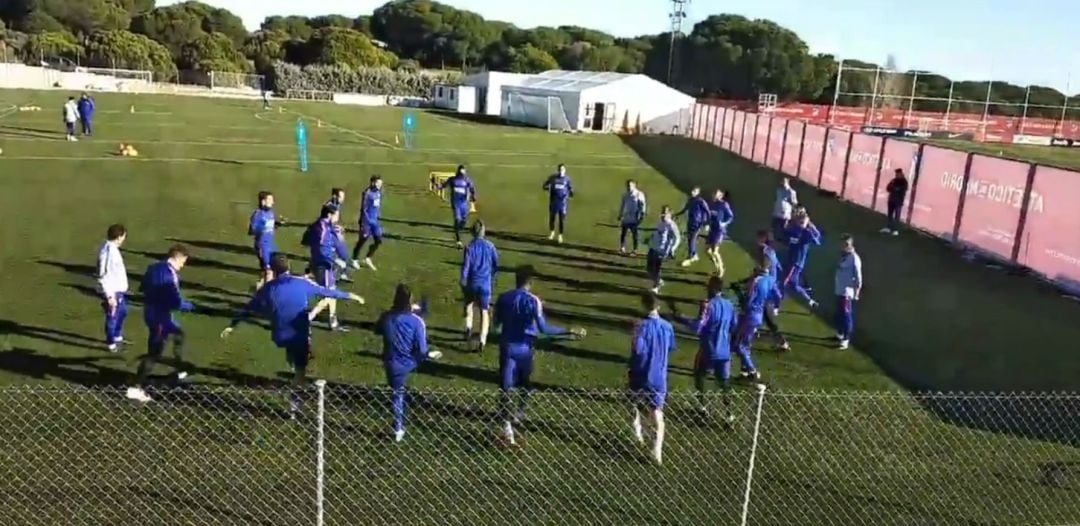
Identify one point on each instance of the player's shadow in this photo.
(12, 328)
(232, 248)
(419, 224)
(200, 262)
(32, 133)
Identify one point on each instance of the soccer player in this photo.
(261, 227)
(336, 201)
(478, 270)
(521, 315)
(651, 345)
(161, 296)
(720, 217)
(327, 254)
(715, 322)
(776, 297)
(662, 246)
(266, 98)
(113, 285)
(284, 300)
(801, 235)
(758, 288)
(849, 280)
(405, 347)
(783, 206)
(71, 116)
(697, 218)
(86, 114)
(631, 214)
(897, 190)
(370, 208)
(560, 190)
(462, 195)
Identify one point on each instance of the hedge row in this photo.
(370, 81)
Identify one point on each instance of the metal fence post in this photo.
(320, 453)
(963, 199)
(913, 193)
(1024, 210)
(847, 163)
(753, 454)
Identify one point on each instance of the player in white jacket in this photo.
(71, 116)
(631, 214)
(112, 281)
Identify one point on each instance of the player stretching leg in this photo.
(720, 217)
(521, 315)
(697, 217)
(370, 208)
(801, 236)
(284, 300)
(715, 323)
(478, 270)
(560, 190)
(405, 347)
(462, 197)
(161, 296)
(651, 345)
(327, 255)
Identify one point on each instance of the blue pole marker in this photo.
(301, 144)
(408, 128)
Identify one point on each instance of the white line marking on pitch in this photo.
(287, 161)
(346, 130)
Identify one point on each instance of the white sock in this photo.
(485, 326)
(468, 317)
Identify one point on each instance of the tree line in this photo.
(725, 56)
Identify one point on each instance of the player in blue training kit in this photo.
(662, 246)
(161, 296)
(560, 190)
(478, 270)
(755, 297)
(405, 347)
(720, 217)
(801, 235)
(86, 114)
(262, 227)
(849, 281)
(714, 325)
(651, 345)
(462, 197)
(520, 314)
(327, 255)
(631, 213)
(370, 210)
(766, 251)
(284, 300)
(697, 218)
(337, 202)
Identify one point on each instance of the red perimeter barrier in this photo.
(749, 140)
(718, 120)
(995, 193)
(736, 138)
(862, 170)
(776, 143)
(832, 172)
(725, 124)
(792, 148)
(813, 143)
(710, 118)
(898, 154)
(1051, 241)
(699, 115)
(761, 138)
(937, 192)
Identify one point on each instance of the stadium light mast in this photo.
(678, 16)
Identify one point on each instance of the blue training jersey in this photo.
(461, 190)
(284, 300)
(697, 212)
(325, 245)
(480, 265)
(404, 337)
(333, 203)
(799, 240)
(720, 216)
(370, 206)
(262, 225)
(161, 291)
(758, 290)
(651, 345)
(521, 315)
(770, 254)
(714, 324)
(559, 188)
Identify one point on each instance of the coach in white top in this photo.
(631, 214)
(849, 281)
(71, 116)
(113, 285)
(783, 206)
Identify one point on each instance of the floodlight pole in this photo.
(1065, 105)
(1023, 117)
(678, 15)
(836, 91)
(948, 105)
(986, 106)
(873, 97)
(911, 100)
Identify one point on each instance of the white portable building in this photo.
(596, 102)
(461, 99)
(489, 88)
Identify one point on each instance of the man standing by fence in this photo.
(897, 190)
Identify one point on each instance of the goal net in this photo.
(542, 112)
(309, 94)
(219, 79)
(122, 80)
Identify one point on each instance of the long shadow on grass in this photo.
(929, 320)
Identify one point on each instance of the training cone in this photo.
(396, 141)
(132, 152)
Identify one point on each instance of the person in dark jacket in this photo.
(897, 190)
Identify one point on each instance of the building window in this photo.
(438, 92)
(452, 92)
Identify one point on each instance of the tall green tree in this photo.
(346, 47)
(212, 52)
(83, 17)
(297, 27)
(124, 49)
(49, 44)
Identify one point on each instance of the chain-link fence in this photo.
(209, 456)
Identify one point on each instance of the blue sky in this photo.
(1034, 42)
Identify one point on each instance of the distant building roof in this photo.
(561, 80)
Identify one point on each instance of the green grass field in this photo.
(928, 322)
(1068, 158)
